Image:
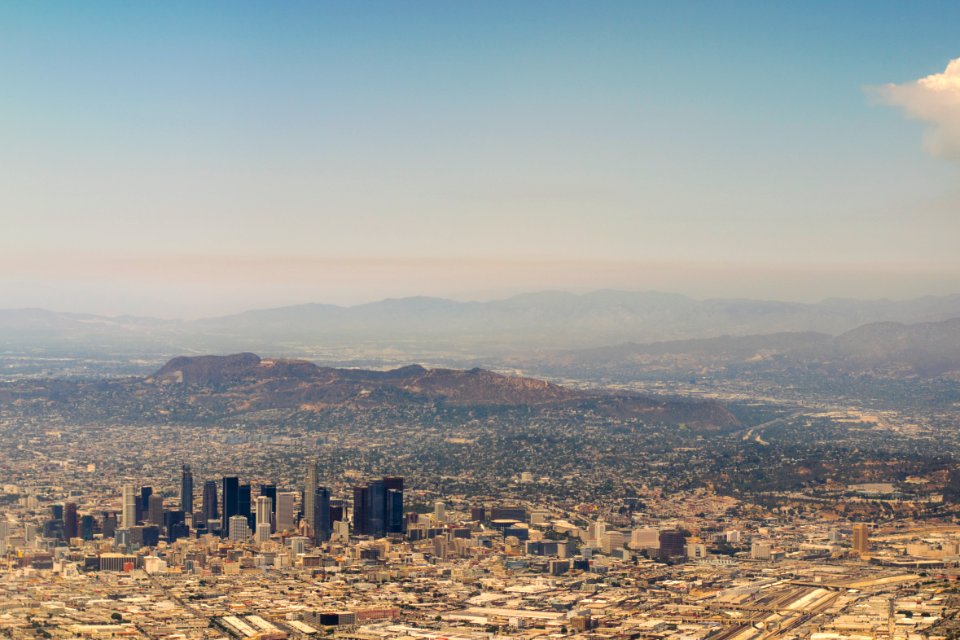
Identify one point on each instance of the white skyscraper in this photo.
(263, 532)
(264, 509)
(440, 511)
(285, 511)
(128, 514)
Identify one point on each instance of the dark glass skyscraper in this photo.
(71, 527)
(231, 502)
(378, 507)
(86, 527)
(394, 504)
(244, 505)
(321, 515)
(145, 493)
(210, 501)
(361, 509)
(186, 489)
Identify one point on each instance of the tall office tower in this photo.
(239, 528)
(321, 515)
(861, 538)
(145, 493)
(56, 512)
(231, 502)
(440, 511)
(361, 510)
(245, 504)
(138, 508)
(71, 528)
(394, 516)
(378, 509)
(270, 491)
(171, 520)
(309, 491)
(263, 532)
(109, 524)
(337, 511)
(155, 510)
(264, 511)
(186, 489)
(210, 500)
(86, 527)
(129, 510)
(53, 529)
(285, 510)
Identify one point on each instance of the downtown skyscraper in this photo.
(186, 489)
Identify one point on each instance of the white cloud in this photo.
(934, 100)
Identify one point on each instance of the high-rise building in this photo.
(394, 516)
(109, 524)
(361, 509)
(861, 538)
(309, 491)
(129, 510)
(86, 526)
(170, 520)
(71, 527)
(440, 511)
(238, 527)
(186, 489)
(378, 507)
(155, 510)
(321, 515)
(270, 491)
(264, 511)
(263, 532)
(231, 502)
(145, 493)
(210, 500)
(245, 505)
(285, 511)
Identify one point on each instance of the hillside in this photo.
(219, 387)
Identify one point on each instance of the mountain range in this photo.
(419, 328)
(921, 349)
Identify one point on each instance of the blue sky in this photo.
(183, 158)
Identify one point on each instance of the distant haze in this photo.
(189, 159)
(200, 286)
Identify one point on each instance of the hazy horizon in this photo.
(197, 159)
(256, 305)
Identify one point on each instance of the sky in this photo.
(184, 159)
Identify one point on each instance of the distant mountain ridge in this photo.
(923, 349)
(546, 320)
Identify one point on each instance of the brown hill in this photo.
(246, 382)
